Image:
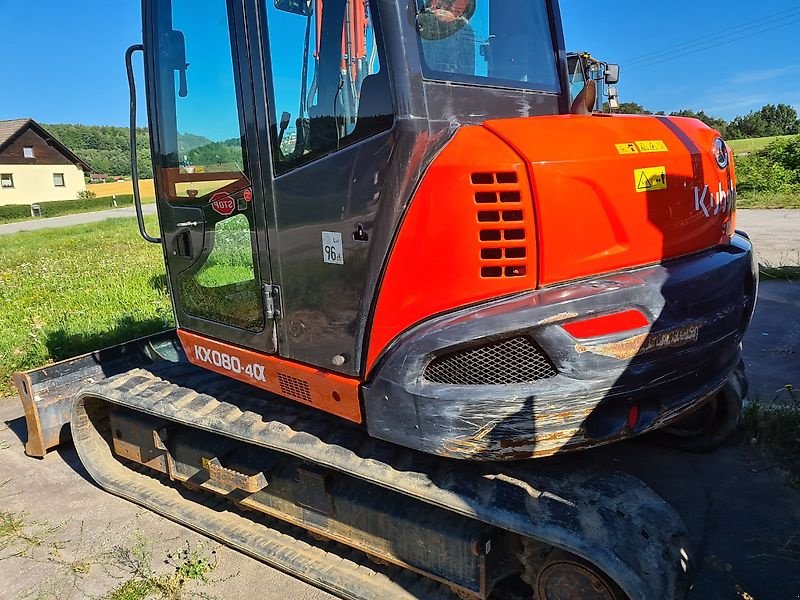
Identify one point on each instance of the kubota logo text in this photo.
(713, 203)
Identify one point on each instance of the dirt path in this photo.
(775, 235)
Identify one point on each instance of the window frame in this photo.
(10, 177)
(63, 180)
(25, 152)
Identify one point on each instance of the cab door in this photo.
(211, 199)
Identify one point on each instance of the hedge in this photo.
(14, 212)
(57, 208)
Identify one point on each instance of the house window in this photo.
(27, 151)
(58, 179)
(6, 180)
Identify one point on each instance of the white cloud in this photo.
(762, 75)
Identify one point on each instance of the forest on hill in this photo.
(107, 150)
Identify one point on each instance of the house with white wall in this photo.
(36, 167)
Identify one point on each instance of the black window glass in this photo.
(330, 88)
(488, 42)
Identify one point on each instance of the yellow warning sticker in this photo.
(652, 146)
(629, 148)
(650, 179)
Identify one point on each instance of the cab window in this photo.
(330, 86)
(506, 43)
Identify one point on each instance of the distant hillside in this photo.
(105, 148)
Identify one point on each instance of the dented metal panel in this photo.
(698, 307)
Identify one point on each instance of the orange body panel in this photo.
(547, 200)
(468, 236)
(329, 392)
(591, 218)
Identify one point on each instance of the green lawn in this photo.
(753, 144)
(785, 199)
(67, 291)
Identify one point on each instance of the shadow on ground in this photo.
(62, 345)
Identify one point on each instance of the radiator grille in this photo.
(502, 221)
(294, 388)
(514, 360)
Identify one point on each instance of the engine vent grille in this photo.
(294, 388)
(502, 224)
(513, 360)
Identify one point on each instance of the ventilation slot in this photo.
(511, 361)
(501, 215)
(294, 388)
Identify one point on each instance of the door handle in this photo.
(188, 224)
(137, 199)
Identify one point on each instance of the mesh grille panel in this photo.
(294, 388)
(515, 360)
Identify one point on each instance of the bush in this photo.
(57, 208)
(86, 194)
(69, 207)
(14, 212)
(774, 168)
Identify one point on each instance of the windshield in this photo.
(506, 43)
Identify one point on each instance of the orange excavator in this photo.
(405, 268)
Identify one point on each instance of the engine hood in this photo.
(619, 191)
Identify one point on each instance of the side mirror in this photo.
(612, 74)
(297, 7)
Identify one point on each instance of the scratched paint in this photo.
(643, 343)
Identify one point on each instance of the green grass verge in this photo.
(785, 199)
(753, 144)
(15, 213)
(774, 424)
(787, 273)
(67, 291)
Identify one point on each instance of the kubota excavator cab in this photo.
(384, 210)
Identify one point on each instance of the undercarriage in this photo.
(315, 497)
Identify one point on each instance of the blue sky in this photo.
(63, 60)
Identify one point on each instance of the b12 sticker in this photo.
(332, 252)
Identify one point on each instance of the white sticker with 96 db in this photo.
(229, 363)
(332, 247)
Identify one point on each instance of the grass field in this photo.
(753, 144)
(785, 199)
(120, 188)
(67, 291)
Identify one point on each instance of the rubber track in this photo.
(610, 519)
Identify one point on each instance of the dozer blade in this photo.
(147, 433)
(47, 393)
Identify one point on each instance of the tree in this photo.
(632, 108)
(720, 125)
(780, 119)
